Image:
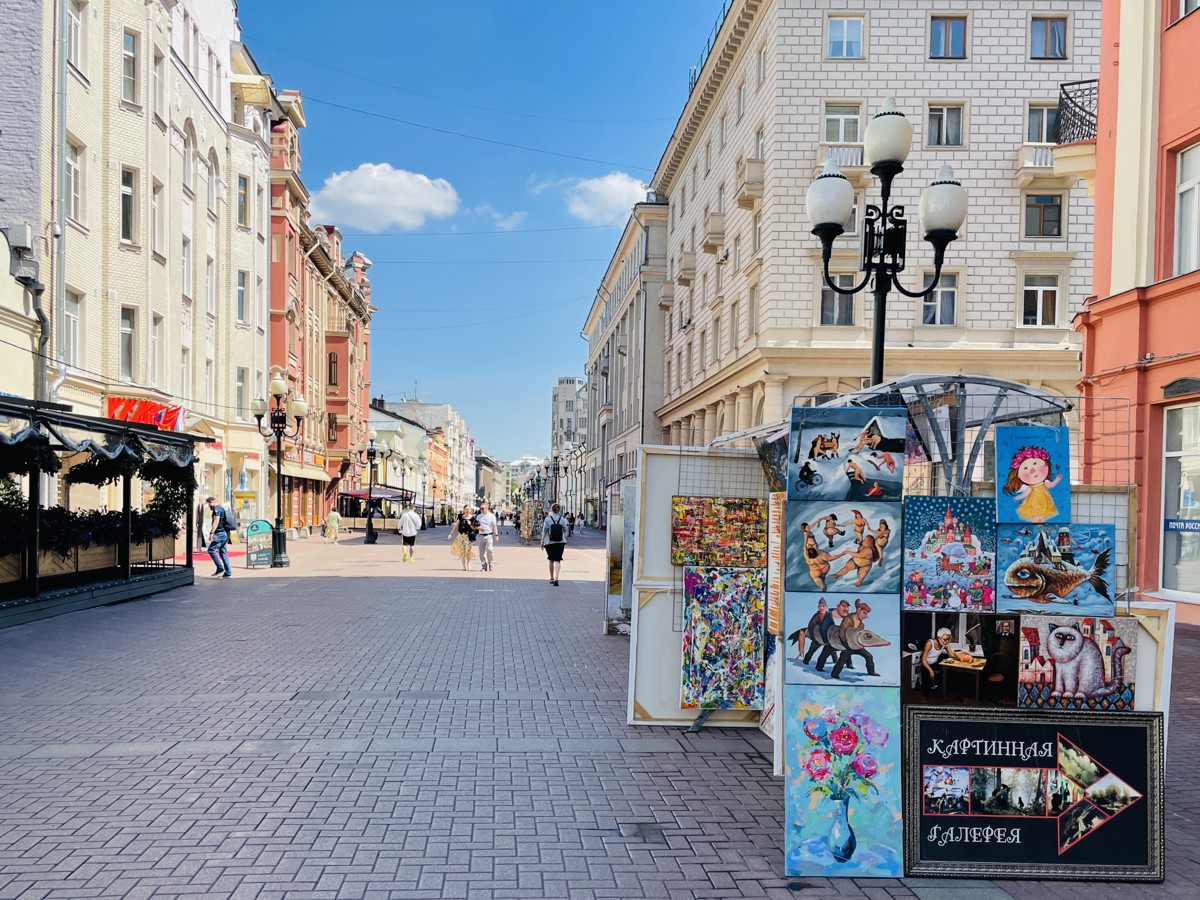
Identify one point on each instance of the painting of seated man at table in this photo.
(967, 659)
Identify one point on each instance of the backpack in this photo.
(229, 519)
(556, 530)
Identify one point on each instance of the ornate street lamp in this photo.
(423, 466)
(830, 202)
(371, 452)
(297, 409)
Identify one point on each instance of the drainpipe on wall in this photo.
(60, 163)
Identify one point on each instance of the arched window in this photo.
(333, 369)
(214, 178)
(189, 157)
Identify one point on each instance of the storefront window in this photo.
(1181, 508)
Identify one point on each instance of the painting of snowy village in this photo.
(846, 453)
(848, 546)
(1080, 663)
(852, 638)
(1055, 568)
(950, 554)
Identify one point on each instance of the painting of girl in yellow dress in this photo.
(1035, 484)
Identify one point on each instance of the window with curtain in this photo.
(1043, 125)
(945, 126)
(1048, 38)
(1043, 215)
(845, 37)
(1040, 300)
(948, 37)
(1187, 211)
(937, 308)
(837, 309)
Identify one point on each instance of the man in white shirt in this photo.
(409, 525)
(487, 535)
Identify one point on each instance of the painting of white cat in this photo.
(1077, 662)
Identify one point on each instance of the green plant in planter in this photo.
(28, 456)
(14, 517)
(100, 471)
(174, 487)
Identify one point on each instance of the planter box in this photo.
(10, 568)
(162, 547)
(139, 553)
(51, 563)
(97, 556)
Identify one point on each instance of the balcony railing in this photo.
(694, 71)
(845, 155)
(1077, 108)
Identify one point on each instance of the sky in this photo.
(485, 156)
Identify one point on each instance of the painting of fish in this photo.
(851, 638)
(1057, 569)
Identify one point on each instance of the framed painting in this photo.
(950, 554)
(723, 632)
(1033, 474)
(844, 546)
(776, 514)
(1056, 569)
(1022, 794)
(842, 782)
(773, 453)
(718, 531)
(847, 453)
(853, 639)
(965, 659)
(1078, 663)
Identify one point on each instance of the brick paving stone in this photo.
(433, 734)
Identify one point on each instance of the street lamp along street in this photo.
(297, 409)
(830, 203)
(372, 452)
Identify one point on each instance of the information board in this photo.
(258, 544)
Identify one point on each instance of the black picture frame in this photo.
(1051, 794)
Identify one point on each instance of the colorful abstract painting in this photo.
(950, 554)
(847, 453)
(1083, 663)
(718, 531)
(1051, 569)
(723, 631)
(1033, 474)
(847, 638)
(847, 546)
(776, 515)
(842, 782)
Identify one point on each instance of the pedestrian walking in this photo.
(409, 526)
(333, 521)
(570, 524)
(488, 533)
(554, 540)
(462, 536)
(218, 538)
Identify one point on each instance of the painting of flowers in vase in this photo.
(842, 801)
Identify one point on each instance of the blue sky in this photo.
(487, 252)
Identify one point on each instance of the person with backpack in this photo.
(554, 540)
(224, 524)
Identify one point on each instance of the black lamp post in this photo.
(372, 452)
(830, 203)
(280, 412)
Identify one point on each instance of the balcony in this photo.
(714, 232)
(666, 295)
(1035, 169)
(1075, 154)
(749, 183)
(848, 156)
(687, 268)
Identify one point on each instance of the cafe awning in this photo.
(297, 470)
(383, 493)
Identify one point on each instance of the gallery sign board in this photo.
(1023, 794)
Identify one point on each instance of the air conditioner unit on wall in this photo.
(864, 382)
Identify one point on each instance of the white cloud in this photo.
(607, 200)
(504, 222)
(376, 196)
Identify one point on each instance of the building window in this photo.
(333, 369)
(185, 375)
(75, 157)
(741, 100)
(1043, 215)
(239, 393)
(570, 407)
(185, 256)
(158, 79)
(1040, 300)
(937, 308)
(735, 326)
(1190, 6)
(210, 387)
(760, 144)
(243, 200)
(707, 158)
(1181, 490)
(128, 205)
(845, 37)
(210, 286)
(1187, 211)
(156, 350)
(213, 175)
(158, 223)
(243, 279)
(1048, 38)
(260, 302)
(837, 309)
(842, 124)
(331, 432)
(757, 232)
(76, 29)
(722, 130)
(945, 126)
(737, 251)
(948, 37)
(1043, 125)
(752, 311)
(762, 64)
(189, 161)
(129, 67)
(74, 310)
(127, 344)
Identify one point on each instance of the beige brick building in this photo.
(748, 324)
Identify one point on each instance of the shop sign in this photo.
(213, 445)
(258, 544)
(1192, 525)
(1022, 794)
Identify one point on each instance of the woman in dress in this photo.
(462, 534)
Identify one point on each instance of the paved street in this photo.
(355, 726)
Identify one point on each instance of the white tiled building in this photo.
(748, 325)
